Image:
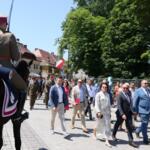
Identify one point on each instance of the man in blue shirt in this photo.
(141, 105)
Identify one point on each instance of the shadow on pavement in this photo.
(89, 130)
(39, 104)
(67, 119)
(39, 109)
(119, 142)
(75, 135)
(58, 133)
(114, 143)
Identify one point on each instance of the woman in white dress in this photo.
(103, 113)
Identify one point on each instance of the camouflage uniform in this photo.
(48, 85)
(33, 92)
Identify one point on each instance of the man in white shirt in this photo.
(57, 101)
(91, 93)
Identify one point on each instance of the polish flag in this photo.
(60, 64)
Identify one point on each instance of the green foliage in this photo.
(81, 3)
(97, 7)
(143, 11)
(81, 37)
(108, 37)
(123, 42)
(101, 7)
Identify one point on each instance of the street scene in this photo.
(36, 133)
(74, 74)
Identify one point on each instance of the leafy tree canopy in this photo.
(97, 7)
(108, 37)
(124, 43)
(81, 37)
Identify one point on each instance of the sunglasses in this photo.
(104, 87)
(125, 88)
(145, 83)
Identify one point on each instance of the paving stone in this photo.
(35, 133)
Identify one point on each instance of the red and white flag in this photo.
(60, 64)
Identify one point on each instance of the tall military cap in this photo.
(3, 19)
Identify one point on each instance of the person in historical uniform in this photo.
(9, 54)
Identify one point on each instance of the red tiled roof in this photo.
(23, 48)
(25, 52)
(45, 56)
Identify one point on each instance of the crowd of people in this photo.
(88, 99)
(60, 93)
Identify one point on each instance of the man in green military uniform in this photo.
(9, 53)
(49, 83)
(33, 91)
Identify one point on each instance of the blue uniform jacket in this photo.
(4, 73)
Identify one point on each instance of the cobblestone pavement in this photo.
(30, 139)
(35, 134)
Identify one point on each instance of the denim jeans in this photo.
(143, 126)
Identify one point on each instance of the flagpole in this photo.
(10, 13)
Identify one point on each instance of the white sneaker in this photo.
(52, 131)
(108, 144)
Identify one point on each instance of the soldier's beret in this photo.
(3, 19)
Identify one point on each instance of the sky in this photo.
(37, 23)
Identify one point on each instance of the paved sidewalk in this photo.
(30, 139)
(36, 134)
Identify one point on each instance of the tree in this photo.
(81, 3)
(143, 14)
(123, 42)
(81, 34)
(97, 7)
(143, 11)
(113, 35)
